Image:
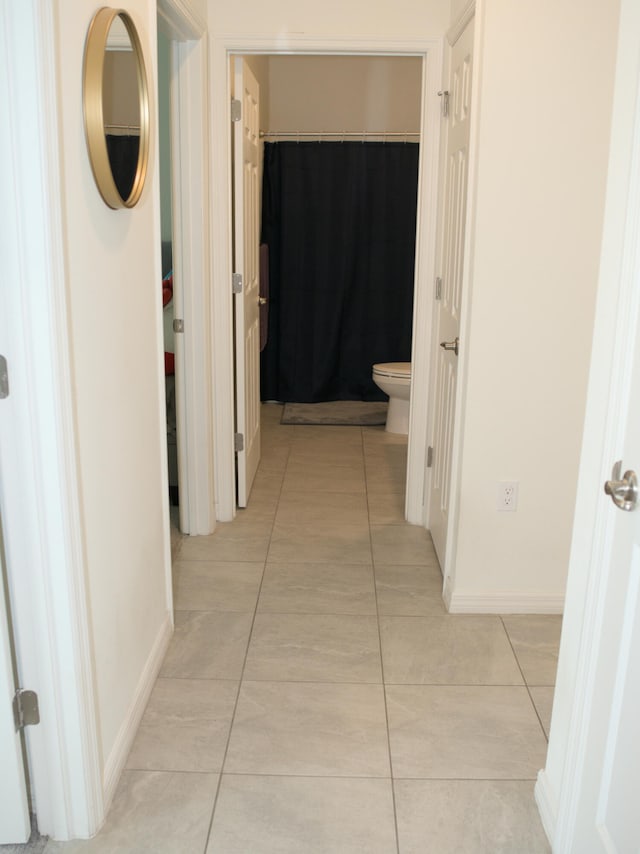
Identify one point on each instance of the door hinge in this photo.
(429, 457)
(444, 104)
(4, 378)
(236, 110)
(178, 325)
(236, 283)
(25, 709)
(438, 288)
(238, 442)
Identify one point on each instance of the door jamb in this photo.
(191, 263)
(223, 48)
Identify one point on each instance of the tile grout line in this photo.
(524, 679)
(244, 664)
(384, 687)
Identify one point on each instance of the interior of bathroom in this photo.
(340, 157)
(339, 174)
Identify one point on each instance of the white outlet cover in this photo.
(507, 496)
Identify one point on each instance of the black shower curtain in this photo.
(123, 158)
(340, 222)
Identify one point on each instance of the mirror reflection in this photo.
(121, 107)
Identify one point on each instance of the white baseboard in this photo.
(502, 603)
(547, 803)
(117, 758)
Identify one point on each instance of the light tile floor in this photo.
(316, 698)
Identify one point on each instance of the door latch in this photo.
(450, 345)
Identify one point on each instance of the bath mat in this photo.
(336, 412)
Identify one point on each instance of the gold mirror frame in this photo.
(93, 76)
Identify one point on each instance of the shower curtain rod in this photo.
(294, 135)
(122, 127)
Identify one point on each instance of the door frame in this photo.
(222, 49)
(189, 127)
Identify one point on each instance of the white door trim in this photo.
(40, 484)
(455, 31)
(191, 263)
(222, 48)
(180, 21)
(559, 785)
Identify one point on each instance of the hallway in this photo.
(316, 698)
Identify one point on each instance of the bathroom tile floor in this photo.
(316, 698)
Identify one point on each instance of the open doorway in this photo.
(166, 241)
(187, 108)
(343, 132)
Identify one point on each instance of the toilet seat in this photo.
(395, 370)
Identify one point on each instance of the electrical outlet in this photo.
(507, 495)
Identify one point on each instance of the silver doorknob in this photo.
(450, 345)
(623, 490)
(262, 300)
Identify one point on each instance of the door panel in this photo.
(246, 304)
(602, 780)
(608, 818)
(14, 809)
(448, 307)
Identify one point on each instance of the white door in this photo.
(14, 809)
(608, 816)
(599, 808)
(246, 303)
(448, 305)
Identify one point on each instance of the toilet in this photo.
(394, 378)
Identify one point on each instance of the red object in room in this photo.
(167, 289)
(167, 296)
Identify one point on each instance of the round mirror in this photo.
(116, 107)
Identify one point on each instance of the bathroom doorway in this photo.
(312, 104)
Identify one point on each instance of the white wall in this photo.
(360, 19)
(345, 93)
(113, 267)
(545, 104)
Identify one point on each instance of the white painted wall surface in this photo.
(545, 105)
(345, 93)
(360, 18)
(113, 264)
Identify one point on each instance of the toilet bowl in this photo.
(394, 378)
